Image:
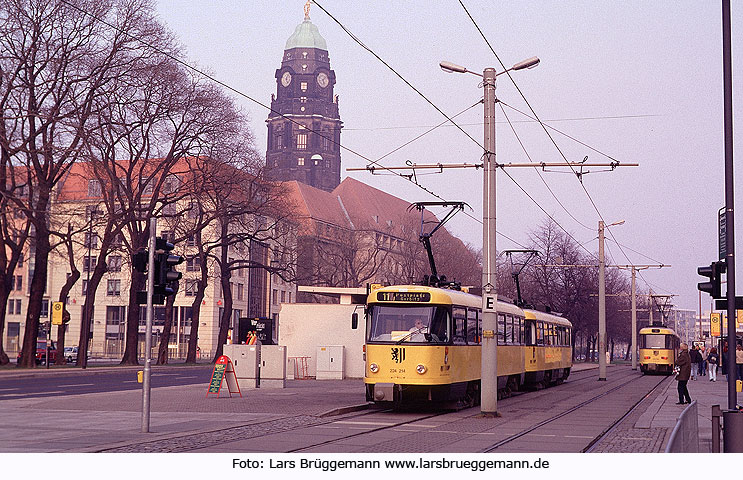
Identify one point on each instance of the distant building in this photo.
(304, 126)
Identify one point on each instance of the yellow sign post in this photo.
(57, 309)
(714, 324)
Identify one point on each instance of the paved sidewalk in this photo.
(112, 421)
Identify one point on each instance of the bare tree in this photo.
(58, 59)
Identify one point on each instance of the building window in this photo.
(14, 307)
(19, 282)
(114, 288)
(85, 287)
(114, 263)
(20, 259)
(193, 264)
(275, 296)
(44, 308)
(302, 141)
(167, 235)
(94, 188)
(303, 86)
(283, 296)
(240, 291)
(118, 241)
(279, 142)
(89, 263)
(300, 161)
(302, 99)
(115, 315)
(191, 287)
(91, 240)
(191, 241)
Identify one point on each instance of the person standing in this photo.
(684, 363)
(712, 360)
(739, 361)
(703, 365)
(696, 359)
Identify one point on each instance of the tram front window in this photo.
(654, 341)
(429, 324)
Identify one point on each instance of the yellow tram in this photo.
(658, 349)
(423, 345)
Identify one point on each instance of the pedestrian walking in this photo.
(683, 361)
(712, 360)
(703, 365)
(739, 361)
(696, 360)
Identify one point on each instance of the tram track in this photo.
(632, 378)
(592, 445)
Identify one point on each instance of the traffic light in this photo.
(140, 261)
(714, 273)
(165, 262)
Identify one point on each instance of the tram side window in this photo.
(501, 329)
(518, 330)
(473, 328)
(540, 333)
(509, 330)
(460, 325)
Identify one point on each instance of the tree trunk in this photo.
(4, 294)
(162, 350)
(130, 356)
(38, 282)
(62, 329)
(89, 310)
(193, 339)
(224, 322)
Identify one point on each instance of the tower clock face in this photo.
(286, 79)
(322, 80)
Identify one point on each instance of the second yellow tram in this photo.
(658, 349)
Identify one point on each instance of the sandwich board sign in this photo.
(223, 371)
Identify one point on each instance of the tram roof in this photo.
(657, 330)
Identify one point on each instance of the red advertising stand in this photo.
(223, 370)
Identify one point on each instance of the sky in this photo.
(632, 81)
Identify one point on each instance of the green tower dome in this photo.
(306, 35)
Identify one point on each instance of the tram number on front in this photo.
(398, 354)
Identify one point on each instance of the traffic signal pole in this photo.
(733, 426)
(148, 329)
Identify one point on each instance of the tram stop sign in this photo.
(57, 308)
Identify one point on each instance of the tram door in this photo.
(530, 337)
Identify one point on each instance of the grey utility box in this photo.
(330, 364)
(273, 366)
(246, 359)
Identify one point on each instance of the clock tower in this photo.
(304, 126)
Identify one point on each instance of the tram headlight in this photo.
(373, 367)
(421, 368)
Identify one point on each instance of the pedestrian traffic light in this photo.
(165, 262)
(714, 273)
(140, 261)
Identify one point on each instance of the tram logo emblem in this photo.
(398, 355)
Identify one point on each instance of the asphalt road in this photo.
(53, 384)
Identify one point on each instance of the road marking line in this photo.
(347, 422)
(577, 436)
(8, 389)
(540, 435)
(31, 393)
(79, 385)
(181, 378)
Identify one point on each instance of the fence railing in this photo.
(685, 435)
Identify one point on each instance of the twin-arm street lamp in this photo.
(489, 366)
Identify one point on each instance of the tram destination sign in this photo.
(403, 296)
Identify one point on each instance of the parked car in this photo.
(41, 352)
(70, 354)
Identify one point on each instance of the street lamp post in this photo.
(489, 357)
